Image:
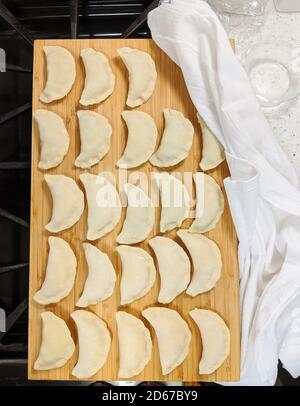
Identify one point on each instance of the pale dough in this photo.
(209, 205)
(215, 337)
(140, 216)
(138, 273)
(135, 345)
(174, 268)
(175, 201)
(67, 202)
(212, 150)
(61, 73)
(141, 141)
(60, 272)
(57, 346)
(101, 279)
(104, 205)
(93, 341)
(95, 137)
(207, 262)
(99, 78)
(54, 138)
(142, 75)
(173, 336)
(176, 141)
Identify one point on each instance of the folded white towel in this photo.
(263, 190)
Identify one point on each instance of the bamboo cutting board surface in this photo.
(170, 91)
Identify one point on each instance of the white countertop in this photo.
(285, 120)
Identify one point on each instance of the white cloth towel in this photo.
(263, 190)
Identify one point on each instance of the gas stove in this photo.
(21, 22)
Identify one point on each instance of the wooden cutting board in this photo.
(170, 91)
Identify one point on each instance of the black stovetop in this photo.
(21, 23)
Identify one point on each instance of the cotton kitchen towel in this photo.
(263, 189)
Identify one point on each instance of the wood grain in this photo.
(170, 92)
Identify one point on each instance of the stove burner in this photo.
(15, 24)
(101, 383)
(13, 317)
(12, 217)
(152, 384)
(10, 268)
(14, 113)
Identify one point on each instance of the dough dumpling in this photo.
(138, 273)
(57, 346)
(104, 205)
(54, 138)
(173, 336)
(142, 75)
(176, 141)
(93, 341)
(215, 337)
(101, 278)
(95, 136)
(212, 150)
(210, 204)
(141, 141)
(99, 78)
(60, 272)
(175, 201)
(140, 216)
(67, 202)
(61, 73)
(174, 268)
(135, 345)
(207, 262)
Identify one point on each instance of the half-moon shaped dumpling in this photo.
(101, 278)
(173, 336)
(174, 268)
(95, 135)
(142, 75)
(140, 216)
(215, 337)
(141, 141)
(207, 262)
(210, 203)
(67, 202)
(54, 138)
(57, 346)
(99, 78)
(135, 345)
(212, 150)
(138, 273)
(176, 141)
(61, 73)
(175, 201)
(104, 205)
(94, 343)
(60, 272)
